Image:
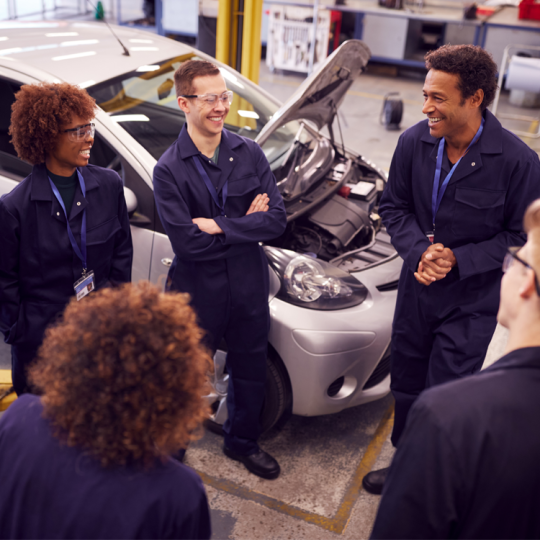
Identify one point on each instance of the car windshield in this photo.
(143, 102)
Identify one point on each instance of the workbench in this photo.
(403, 36)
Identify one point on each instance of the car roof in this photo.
(81, 53)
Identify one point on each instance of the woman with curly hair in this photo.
(121, 379)
(64, 230)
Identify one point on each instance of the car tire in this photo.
(277, 399)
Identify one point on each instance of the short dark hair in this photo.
(123, 374)
(184, 75)
(39, 113)
(474, 66)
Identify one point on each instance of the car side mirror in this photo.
(131, 201)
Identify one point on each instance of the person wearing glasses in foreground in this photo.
(467, 463)
(122, 379)
(64, 230)
(457, 191)
(217, 199)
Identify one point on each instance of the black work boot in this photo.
(373, 482)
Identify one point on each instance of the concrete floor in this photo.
(323, 459)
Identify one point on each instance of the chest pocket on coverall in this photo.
(244, 185)
(100, 247)
(478, 213)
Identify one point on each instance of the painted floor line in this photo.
(339, 522)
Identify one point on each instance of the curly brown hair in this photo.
(39, 113)
(123, 375)
(474, 66)
(184, 75)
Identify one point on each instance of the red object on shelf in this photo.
(335, 29)
(485, 10)
(344, 191)
(529, 9)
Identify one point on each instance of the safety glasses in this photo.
(211, 99)
(81, 133)
(511, 256)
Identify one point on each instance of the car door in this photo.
(152, 249)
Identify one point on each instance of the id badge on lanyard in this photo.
(86, 284)
(437, 194)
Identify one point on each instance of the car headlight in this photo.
(313, 283)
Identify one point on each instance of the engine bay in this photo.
(331, 198)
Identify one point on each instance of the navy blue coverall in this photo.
(467, 464)
(52, 490)
(226, 274)
(38, 266)
(441, 332)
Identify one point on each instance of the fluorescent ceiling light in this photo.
(130, 118)
(5, 52)
(62, 34)
(144, 49)
(141, 41)
(147, 68)
(79, 42)
(77, 55)
(3, 38)
(86, 84)
(5, 24)
(248, 114)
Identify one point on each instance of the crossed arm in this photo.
(259, 204)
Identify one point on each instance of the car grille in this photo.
(381, 371)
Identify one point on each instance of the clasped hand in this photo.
(259, 204)
(434, 264)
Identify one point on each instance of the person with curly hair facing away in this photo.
(64, 230)
(457, 191)
(121, 377)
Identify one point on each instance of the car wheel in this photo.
(277, 400)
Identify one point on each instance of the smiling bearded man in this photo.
(458, 188)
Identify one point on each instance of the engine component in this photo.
(343, 219)
(305, 173)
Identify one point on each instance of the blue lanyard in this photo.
(81, 253)
(211, 188)
(437, 194)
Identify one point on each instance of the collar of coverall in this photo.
(41, 189)
(187, 147)
(489, 143)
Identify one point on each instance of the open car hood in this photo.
(321, 94)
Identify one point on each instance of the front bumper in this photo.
(320, 347)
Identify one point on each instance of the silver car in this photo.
(333, 273)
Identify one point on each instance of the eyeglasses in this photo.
(81, 133)
(210, 99)
(511, 255)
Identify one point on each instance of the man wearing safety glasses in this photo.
(217, 199)
(64, 230)
(467, 463)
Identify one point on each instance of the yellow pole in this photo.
(223, 33)
(251, 39)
